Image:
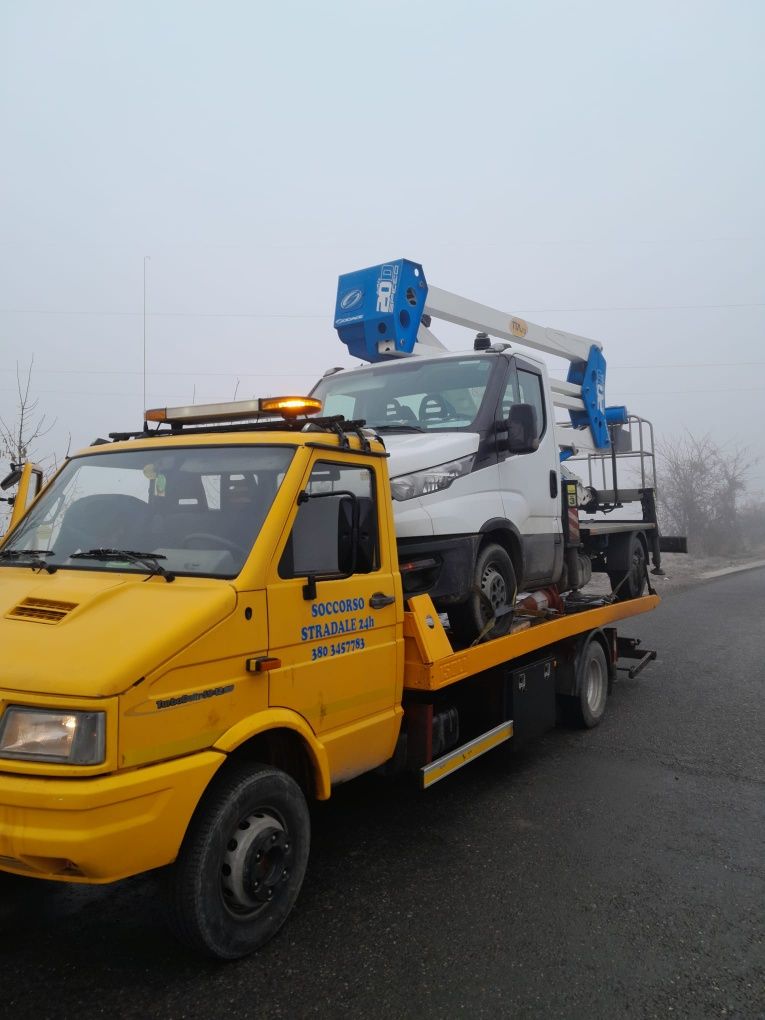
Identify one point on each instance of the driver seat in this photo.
(182, 511)
(434, 407)
(102, 520)
(396, 411)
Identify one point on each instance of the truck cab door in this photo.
(335, 617)
(530, 481)
(28, 479)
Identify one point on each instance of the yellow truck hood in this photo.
(94, 634)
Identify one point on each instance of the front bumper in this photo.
(101, 829)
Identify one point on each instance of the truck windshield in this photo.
(195, 510)
(422, 394)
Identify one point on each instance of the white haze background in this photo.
(595, 166)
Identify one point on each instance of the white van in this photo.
(474, 468)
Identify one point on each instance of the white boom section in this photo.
(442, 304)
(578, 441)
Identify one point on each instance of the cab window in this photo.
(530, 390)
(336, 498)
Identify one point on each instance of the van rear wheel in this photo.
(242, 862)
(493, 589)
(630, 583)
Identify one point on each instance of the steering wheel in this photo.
(443, 409)
(216, 540)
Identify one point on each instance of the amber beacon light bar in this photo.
(238, 410)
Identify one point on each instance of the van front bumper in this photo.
(448, 578)
(101, 829)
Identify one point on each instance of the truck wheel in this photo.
(494, 587)
(630, 583)
(589, 706)
(242, 862)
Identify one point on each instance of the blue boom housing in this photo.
(381, 307)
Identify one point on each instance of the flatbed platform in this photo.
(431, 663)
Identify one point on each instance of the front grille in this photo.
(41, 610)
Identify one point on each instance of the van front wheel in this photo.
(493, 589)
(242, 862)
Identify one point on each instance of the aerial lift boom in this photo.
(385, 312)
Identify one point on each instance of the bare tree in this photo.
(18, 436)
(701, 487)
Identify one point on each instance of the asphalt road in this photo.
(613, 873)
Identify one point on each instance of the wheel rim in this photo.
(494, 587)
(595, 686)
(256, 863)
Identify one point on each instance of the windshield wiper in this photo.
(35, 557)
(403, 427)
(150, 561)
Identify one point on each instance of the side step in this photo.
(453, 760)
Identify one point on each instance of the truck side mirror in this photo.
(347, 533)
(325, 516)
(13, 478)
(519, 431)
(356, 534)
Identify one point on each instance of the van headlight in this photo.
(423, 483)
(41, 734)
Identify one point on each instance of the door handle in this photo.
(553, 484)
(380, 601)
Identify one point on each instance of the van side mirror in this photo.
(518, 434)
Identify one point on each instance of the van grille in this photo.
(41, 610)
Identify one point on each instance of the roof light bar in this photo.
(237, 410)
(290, 407)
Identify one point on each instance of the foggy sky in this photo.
(597, 167)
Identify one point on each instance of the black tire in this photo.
(242, 862)
(494, 576)
(630, 583)
(589, 706)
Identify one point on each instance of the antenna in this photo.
(146, 259)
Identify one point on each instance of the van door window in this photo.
(510, 396)
(530, 389)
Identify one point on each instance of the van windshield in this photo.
(422, 394)
(195, 510)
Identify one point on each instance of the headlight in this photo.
(434, 479)
(40, 734)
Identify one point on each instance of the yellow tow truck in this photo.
(203, 628)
